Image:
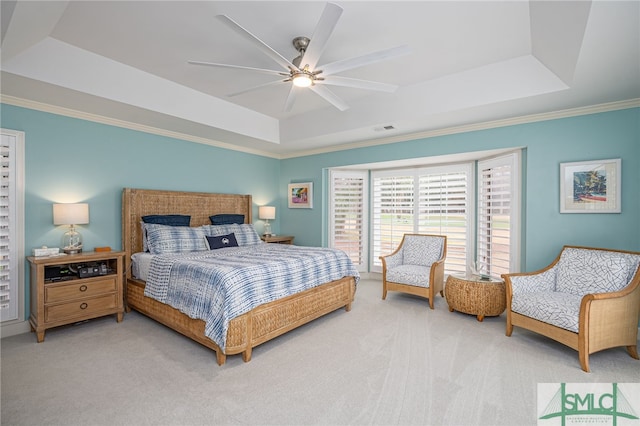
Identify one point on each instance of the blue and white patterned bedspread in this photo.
(219, 285)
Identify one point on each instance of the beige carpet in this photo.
(385, 362)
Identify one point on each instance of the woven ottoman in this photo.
(472, 295)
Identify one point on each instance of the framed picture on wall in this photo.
(301, 195)
(590, 186)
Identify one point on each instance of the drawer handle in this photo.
(83, 288)
(84, 306)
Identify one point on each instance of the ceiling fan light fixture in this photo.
(302, 80)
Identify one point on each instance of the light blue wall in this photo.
(549, 143)
(75, 160)
(72, 160)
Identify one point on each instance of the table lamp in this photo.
(267, 213)
(71, 214)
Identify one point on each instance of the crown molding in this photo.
(67, 112)
(554, 115)
(525, 119)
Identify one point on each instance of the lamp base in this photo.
(72, 250)
(72, 241)
(267, 229)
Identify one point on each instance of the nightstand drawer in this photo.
(80, 308)
(78, 289)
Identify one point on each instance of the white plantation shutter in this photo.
(348, 222)
(444, 205)
(437, 199)
(433, 200)
(393, 211)
(498, 213)
(11, 231)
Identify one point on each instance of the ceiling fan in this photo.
(303, 71)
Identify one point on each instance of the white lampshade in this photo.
(71, 214)
(267, 212)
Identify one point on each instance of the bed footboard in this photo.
(257, 326)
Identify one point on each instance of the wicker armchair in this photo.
(416, 266)
(587, 299)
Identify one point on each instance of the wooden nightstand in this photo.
(59, 298)
(278, 239)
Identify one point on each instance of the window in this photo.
(348, 214)
(11, 225)
(392, 213)
(445, 206)
(498, 215)
(432, 200)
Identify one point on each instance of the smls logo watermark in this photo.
(574, 404)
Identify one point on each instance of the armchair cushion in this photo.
(544, 281)
(417, 275)
(583, 271)
(552, 307)
(417, 250)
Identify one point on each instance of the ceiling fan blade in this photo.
(284, 62)
(321, 34)
(329, 96)
(262, 70)
(291, 99)
(260, 86)
(359, 61)
(359, 84)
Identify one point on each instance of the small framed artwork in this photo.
(590, 187)
(301, 195)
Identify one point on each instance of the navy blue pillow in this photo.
(222, 241)
(168, 219)
(226, 219)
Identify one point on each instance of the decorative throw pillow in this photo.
(245, 233)
(168, 219)
(226, 219)
(163, 239)
(162, 219)
(222, 241)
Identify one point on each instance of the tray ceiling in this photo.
(470, 62)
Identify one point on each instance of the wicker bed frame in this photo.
(247, 331)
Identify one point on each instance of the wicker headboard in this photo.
(200, 205)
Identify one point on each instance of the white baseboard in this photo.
(8, 330)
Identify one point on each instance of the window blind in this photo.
(497, 218)
(393, 212)
(432, 200)
(444, 210)
(9, 218)
(348, 215)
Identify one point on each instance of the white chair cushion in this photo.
(409, 274)
(421, 250)
(544, 281)
(584, 271)
(552, 307)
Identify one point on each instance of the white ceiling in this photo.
(470, 62)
